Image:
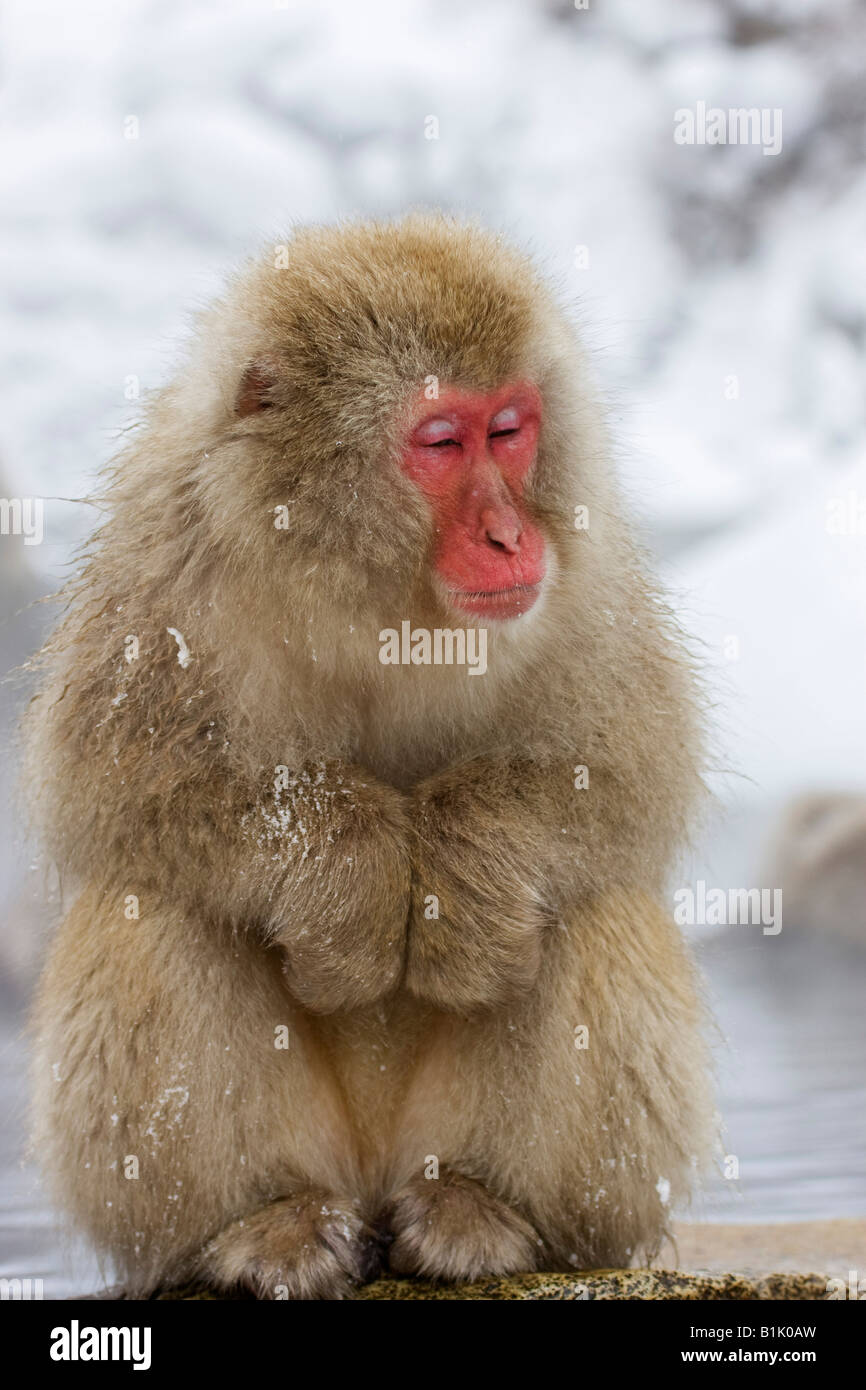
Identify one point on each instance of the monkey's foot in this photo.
(452, 1228)
(308, 1246)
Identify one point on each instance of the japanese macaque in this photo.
(818, 858)
(366, 963)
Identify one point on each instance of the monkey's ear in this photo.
(255, 392)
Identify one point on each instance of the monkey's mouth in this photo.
(496, 603)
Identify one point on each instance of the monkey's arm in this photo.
(317, 863)
(501, 850)
(340, 902)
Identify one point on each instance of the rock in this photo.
(834, 1247)
(605, 1285)
(818, 859)
(611, 1284)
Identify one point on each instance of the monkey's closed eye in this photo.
(500, 434)
(442, 443)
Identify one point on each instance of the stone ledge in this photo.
(612, 1284)
(832, 1246)
(600, 1285)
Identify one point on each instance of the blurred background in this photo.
(146, 146)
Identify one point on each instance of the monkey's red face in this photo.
(471, 454)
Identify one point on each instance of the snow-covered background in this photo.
(145, 146)
(725, 291)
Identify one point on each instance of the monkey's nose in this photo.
(502, 529)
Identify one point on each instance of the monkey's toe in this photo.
(452, 1228)
(308, 1246)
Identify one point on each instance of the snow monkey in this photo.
(366, 961)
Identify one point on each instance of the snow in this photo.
(184, 656)
(794, 595)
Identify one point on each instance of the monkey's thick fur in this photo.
(297, 907)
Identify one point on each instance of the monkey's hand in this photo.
(342, 904)
(480, 905)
